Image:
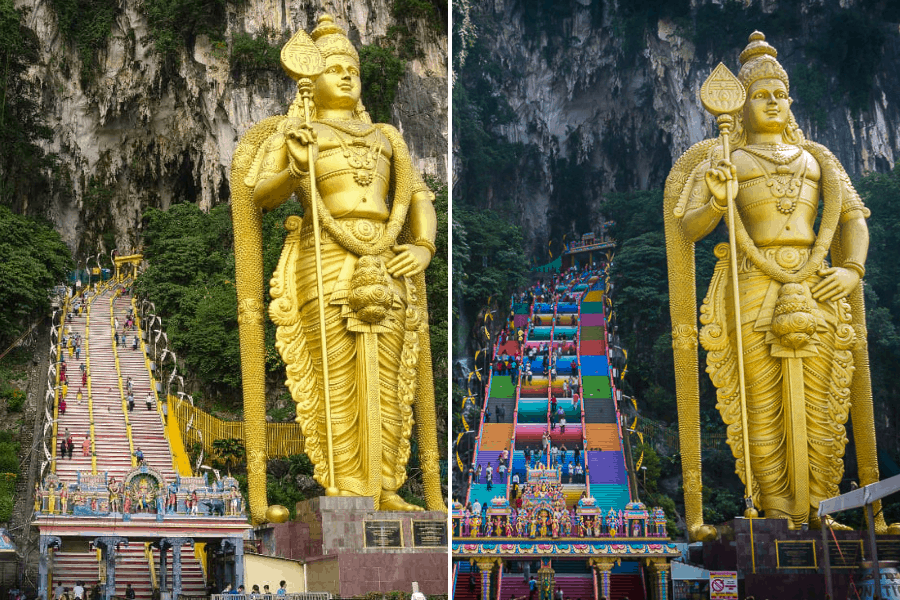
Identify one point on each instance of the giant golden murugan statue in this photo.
(348, 295)
(797, 366)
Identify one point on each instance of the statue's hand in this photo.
(409, 261)
(838, 283)
(299, 138)
(720, 178)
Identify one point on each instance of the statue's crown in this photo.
(759, 61)
(331, 39)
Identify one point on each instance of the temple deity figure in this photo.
(796, 367)
(348, 294)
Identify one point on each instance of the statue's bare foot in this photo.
(828, 521)
(893, 529)
(391, 501)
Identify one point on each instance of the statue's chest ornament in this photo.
(783, 182)
(361, 153)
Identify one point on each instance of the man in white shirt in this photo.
(515, 478)
(476, 508)
(78, 590)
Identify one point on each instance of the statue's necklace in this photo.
(783, 183)
(361, 154)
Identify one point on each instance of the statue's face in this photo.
(338, 87)
(767, 108)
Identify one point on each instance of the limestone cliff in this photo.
(612, 88)
(145, 129)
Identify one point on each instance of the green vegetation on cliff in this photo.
(33, 259)
(23, 163)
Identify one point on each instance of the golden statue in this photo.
(350, 281)
(803, 365)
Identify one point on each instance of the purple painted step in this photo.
(607, 467)
(592, 320)
(485, 457)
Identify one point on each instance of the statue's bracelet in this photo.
(427, 244)
(715, 204)
(296, 171)
(856, 267)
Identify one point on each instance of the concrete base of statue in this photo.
(349, 549)
(776, 563)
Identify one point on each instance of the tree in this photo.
(33, 258)
(229, 451)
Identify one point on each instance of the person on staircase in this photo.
(134, 345)
(86, 445)
(150, 401)
(139, 454)
(130, 402)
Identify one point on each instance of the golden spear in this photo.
(723, 94)
(303, 61)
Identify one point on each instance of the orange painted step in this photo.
(602, 435)
(496, 436)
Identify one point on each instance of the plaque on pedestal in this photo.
(845, 554)
(383, 534)
(430, 534)
(888, 550)
(800, 554)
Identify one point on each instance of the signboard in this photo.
(723, 585)
(383, 534)
(888, 549)
(796, 554)
(430, 533)
(846, 554)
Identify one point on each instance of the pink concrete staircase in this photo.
(131, 567)
(146, 425)
(111, 442)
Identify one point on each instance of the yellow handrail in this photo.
(90, 395)
(148, 554)
(59, 357)
(282, 439)
(112, 322)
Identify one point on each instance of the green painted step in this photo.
(502, 387)
(596, 386)
(592, 333)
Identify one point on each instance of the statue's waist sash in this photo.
(338, 264)
(367, 231)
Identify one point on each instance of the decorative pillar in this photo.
(108, 549)
(238, 545)
(163, 568)
(546, 580)
(602, 569)
(238, 561)
(175, 543)
(659, 568)
(46, 542)
(486, 565)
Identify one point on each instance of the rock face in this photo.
(143, 132)
(624, 105)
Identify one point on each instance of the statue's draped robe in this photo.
(798, 399)
(374, 368)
